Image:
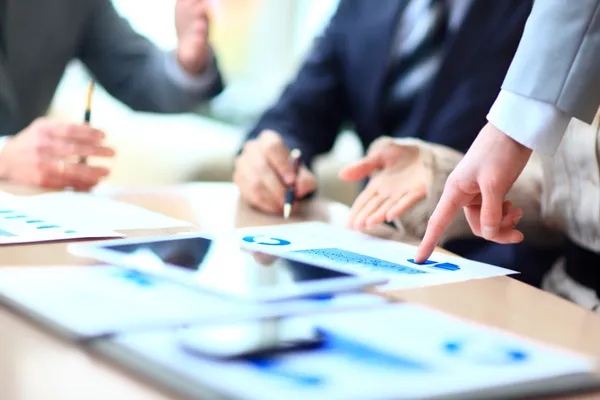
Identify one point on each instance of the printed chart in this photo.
(390, 352)
(358, 253)
(20, 226)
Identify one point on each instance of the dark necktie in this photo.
(412, 69)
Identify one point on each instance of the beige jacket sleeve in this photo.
(439, 161)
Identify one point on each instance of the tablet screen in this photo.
(221, 264)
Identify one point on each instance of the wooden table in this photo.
(35, 365)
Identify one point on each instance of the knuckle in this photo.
(70, 130)
(248, 147)
(39, 145)
(40, 166)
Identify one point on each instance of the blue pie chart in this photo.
(266, 241)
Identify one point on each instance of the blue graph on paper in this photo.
(12, 215)
(339, 346)
(341, 257)
(484, 352)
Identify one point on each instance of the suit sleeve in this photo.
(135, 71)
(557, 64)
(311, 109)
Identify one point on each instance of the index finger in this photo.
(450, 203)
(278, 157)
(83, 134)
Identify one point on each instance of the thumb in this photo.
(306, 182)
(361, 169)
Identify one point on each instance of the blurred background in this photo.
(259, 44)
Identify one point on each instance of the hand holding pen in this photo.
(263, 173)
(290, 194)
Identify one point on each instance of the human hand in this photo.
(398, 182)
(479, 184)
(40, 155)
(191, 25)
(263, 173)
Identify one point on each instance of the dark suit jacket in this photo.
(42, 37)
(341, 81)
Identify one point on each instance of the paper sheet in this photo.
(94, 212)
(396, 351)
(21, 224)
(92, 301)
(363, 254)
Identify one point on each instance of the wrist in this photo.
(194, 66)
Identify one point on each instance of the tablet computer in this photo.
(220, 265)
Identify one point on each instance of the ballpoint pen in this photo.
(290, 194)
(88, 112)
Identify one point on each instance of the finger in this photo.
(378, 216)
(83, 134)
(83, 175)
(405, 203)
(360, 169)
(277, 155)
(62, 148)
(450, 203)
(360, 221)
(253, 191)
(491, 211)
(473, 216)
(361, 200)
(306, 182)
(269, 181)
(510, 217)
(248, 178)
(261, 199)
(57, 173)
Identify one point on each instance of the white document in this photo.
(22, 224)
(359, 253)
(97, 300)
(397, 351)
(94, 212)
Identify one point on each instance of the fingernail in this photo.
(516, 221)
(490, 229)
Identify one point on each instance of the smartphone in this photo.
(221, 265)
(251, 339)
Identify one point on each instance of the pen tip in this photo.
(287, 210)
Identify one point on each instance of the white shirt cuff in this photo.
(535, 124)
(187, 81)
(3, 141)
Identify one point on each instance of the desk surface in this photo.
(37, 366)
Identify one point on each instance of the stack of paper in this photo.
(392, 352)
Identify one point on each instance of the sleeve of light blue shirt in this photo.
(3, 141)
(184, 79)
(535, 124)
